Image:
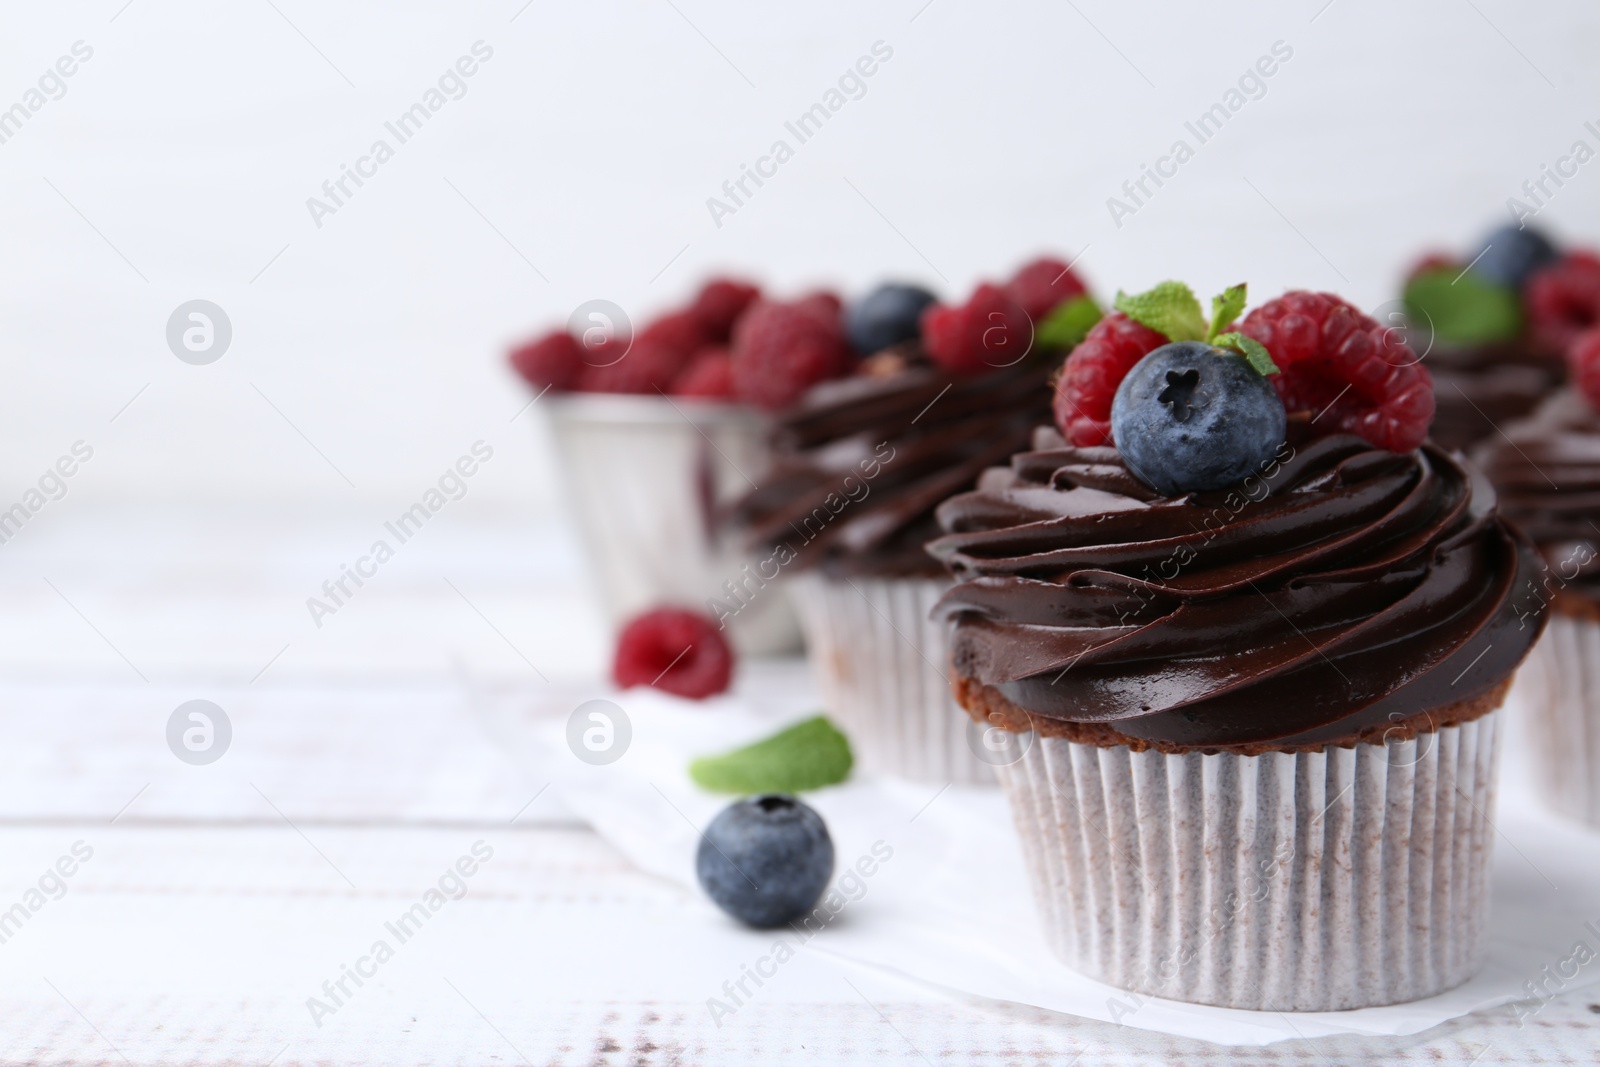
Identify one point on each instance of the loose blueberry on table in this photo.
(765, 860)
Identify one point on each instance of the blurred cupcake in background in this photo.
(859, 466)
(1247, 633)
(1493, 327)
(1547, 472)
(657, 431)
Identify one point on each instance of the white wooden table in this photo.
(218, 899)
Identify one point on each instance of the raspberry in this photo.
(719, 304)
(1563, 300)
(1090, 377)
(554, 361)
(679, 651)
(989, 331)
(823, 304)
(708, 376)
(1354, 375)
(647, 366)
(1583, 360)
(1433, 261)
(1042, 285)
(781, 350)
(681, 330)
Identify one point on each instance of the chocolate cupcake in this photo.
(1547, 472)
(858, 467)
(1493, 329)
(1252, 722)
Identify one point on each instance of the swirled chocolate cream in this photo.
(1546, 470)
(1480, 388)
(860, 464)
(1239, 543)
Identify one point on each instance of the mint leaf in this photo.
(1069, 323)
(1225, 308)
(1464, 310)
(808, 755)
(1171, 308)
(1254, 352)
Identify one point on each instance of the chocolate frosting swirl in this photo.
(1547, 472)
(1345, 588)
(1479, 388)
(860, 464)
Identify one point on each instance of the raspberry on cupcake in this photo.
(999, 325)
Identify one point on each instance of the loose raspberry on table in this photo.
(781, 350)
(553, 361)
(1583, 360)
(988, 332)
(1563, 300)
(678, 651)
(719, 304)
(647, 367)
(1042, 285)
(709, 376)
(1351, 373)
(1091, 374)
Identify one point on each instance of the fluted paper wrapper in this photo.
(883, 667)
(1559, 686)
(1348, 878)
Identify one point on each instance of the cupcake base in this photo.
(1560, 687)
(882, 664)
(1324, 880)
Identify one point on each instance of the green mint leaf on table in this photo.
(1069, 323)
(1254, 352)
(1462, 309)
(1225, 309)
(807, 755)
(1171, 309)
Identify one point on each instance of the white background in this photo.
(578, 165)
(592, 139)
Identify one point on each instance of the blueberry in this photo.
(886, 316)
(1192, 418)
(765, 860)
(1511, 255)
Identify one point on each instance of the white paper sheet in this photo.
(951, 907)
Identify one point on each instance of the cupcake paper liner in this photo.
(1559, 687)
(1311, 881)
(883, 668)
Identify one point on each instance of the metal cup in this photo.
(645, 475)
